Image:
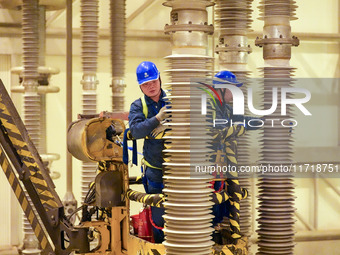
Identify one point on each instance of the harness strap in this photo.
(145, 107)
(149, 165)
(125, 149)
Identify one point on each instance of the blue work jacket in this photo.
(140, 127)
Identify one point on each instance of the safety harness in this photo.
(144, 162)
(227, 137)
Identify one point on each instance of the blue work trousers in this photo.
(155, 186)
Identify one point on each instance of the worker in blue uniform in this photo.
(225, 147)
(146, 114)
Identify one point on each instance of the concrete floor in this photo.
(312, 248)
(301, 248)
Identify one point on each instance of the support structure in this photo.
(69, 199)
(29, 178)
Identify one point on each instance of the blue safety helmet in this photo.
(227, 77)
(146, 71)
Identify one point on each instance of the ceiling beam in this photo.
(139, 10)
(56, 15)
(53, 17)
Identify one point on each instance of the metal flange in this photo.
(188, 5)
(226, 48)
(41, 70)
(189, 28)
(44, 75)
(40, 89)
(294, 41)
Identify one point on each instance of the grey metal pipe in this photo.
(69, 200)
(310, 236)
(69, 166)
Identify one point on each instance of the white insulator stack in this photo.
(276, 193)
(89, 25)
(30, 37)
(43, 87)
(233, 22)
(118, 53)
(188, 225)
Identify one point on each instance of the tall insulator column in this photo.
(89, 25)
(188, 207)
(276, 191)
(118, 53)
(233, 22)
(30, 37)
(44, 75)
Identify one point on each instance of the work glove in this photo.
(162, 114)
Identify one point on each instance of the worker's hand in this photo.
(162, 114)
(102, 114)
(114, 115)
(159, 129)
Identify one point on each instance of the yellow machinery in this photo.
(107, 232)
